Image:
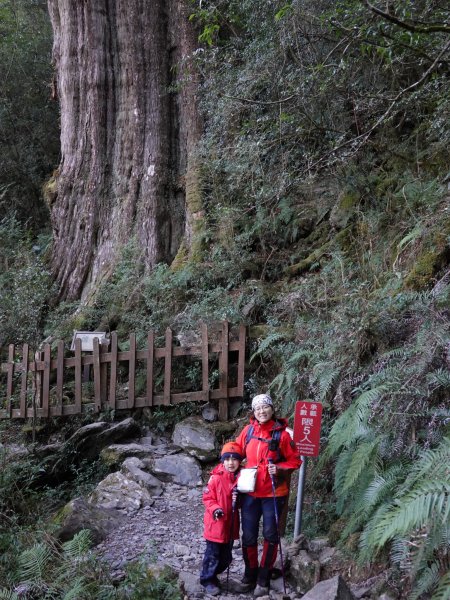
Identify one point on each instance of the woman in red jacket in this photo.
(221, 520)
(266, 445)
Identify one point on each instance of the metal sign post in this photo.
(307, 422)
(299, 504)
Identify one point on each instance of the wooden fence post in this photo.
(103, 374)
(46, 381)
(113, 372)
(241, 360)
(58, 409)
(132, 371)
(205, 362)
(223, 373)
(78, 376)
(168, 366)
(150, 358)
(24, 382)
(10, 380)
(96, 370)
(37, 392)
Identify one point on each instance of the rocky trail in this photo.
(170, 533)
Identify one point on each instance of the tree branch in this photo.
(364, 136)
(387, 16)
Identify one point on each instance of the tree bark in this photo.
(129, 132)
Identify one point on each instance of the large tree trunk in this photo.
(128, 139)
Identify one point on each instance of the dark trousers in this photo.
(216, 559)
(252, 509)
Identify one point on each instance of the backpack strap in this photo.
(249, 435)
(274, 440)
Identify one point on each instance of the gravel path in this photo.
(169, 533)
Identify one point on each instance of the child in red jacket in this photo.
(221, 518)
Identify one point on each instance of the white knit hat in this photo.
(262, 400)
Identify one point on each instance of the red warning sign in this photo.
(307, 422)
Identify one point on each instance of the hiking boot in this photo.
(237, 587)
(212, 589)
(247, 586)
(248, 582)
(260, 591)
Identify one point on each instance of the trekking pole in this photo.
(272, 479)
(233, 508)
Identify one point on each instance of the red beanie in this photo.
(233, 450)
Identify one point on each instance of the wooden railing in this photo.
(54, 383)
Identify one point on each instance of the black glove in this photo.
(218, 514)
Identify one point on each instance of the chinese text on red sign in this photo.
(308, 417)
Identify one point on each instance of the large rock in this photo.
(13, 452)
(87, 443)
(304, 570)
(115, 454)
(190, 585)
(330, 589)
(133, 468)
(78, 515)
(178, 468)
(119, 492)
(200, 439)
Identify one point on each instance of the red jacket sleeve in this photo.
(289, 452)
(210, 496)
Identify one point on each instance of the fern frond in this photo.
(277, 382)
(8, 595)
(34, 562)
(439, 378)
(78, 545)
(431, 464)
(368, 538)
(443, 588)
(378, 490)
(267, 343)
(426, 582)
(325, 374)
(352, 424)
(383, 486)
(399, 551)
(361, 459)
(340, 473)
(415, 509)
(297, 356)
(78, 590)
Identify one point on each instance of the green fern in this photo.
(78, 545)
(324, 376)
(439, 378)
(352, 424)
(428, 580)
(443, 588)
(361, 460)
(427, 501)
(34, 563)
(340, 474)
(267, 343)
(431, 464)
(78, 589)
(7, 595)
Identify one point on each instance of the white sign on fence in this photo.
(87, 339)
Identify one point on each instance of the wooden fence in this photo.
(52, 383)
